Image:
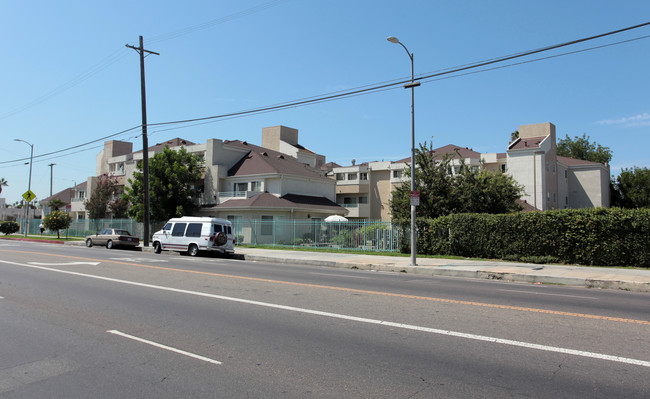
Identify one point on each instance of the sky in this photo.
(69, 82)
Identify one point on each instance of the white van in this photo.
(190, 235)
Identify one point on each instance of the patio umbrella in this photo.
(335, 218)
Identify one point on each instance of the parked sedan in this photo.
(112, 238)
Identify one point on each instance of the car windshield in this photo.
(122, 232)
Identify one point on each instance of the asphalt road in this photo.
(82, 322)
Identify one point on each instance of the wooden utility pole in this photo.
(145, 141)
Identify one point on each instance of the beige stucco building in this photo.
(549, 181)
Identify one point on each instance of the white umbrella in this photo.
(335, 218)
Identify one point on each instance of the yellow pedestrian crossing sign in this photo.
(29, 195)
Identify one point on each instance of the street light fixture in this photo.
(412, 85)
(29, 184)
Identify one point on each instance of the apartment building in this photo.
(549, 181)
(242, 181)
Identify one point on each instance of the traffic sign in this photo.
(415, 198)
(29, 195)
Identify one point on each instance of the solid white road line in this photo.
(521, 344)
(169, 348)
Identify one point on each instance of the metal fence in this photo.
(358, 235)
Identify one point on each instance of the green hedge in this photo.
(601, 236)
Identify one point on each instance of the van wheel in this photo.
(89, 243)
(157, 248)
(193, 250)
(109, 244)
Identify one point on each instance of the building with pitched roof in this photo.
(549, 181)
(243, 181)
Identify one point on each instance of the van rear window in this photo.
(179, 229)
(193, 230)
(217, 228)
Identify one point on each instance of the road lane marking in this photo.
(64, 264)
(388, 294)
(161, 346)
(593, 355)
(549, 294)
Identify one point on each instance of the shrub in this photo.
(9, 227)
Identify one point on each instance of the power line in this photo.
(446, 73)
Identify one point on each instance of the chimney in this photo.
(354, 161)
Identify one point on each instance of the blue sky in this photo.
(67, 77)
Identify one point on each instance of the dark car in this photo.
(112, 238)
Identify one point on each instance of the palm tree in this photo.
(3, 183)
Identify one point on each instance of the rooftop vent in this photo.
(265, 154)
(280, 156)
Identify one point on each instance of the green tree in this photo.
(442, 192)
(97, 203)
(582, 148)
(172, 174)
(57, 220)
(3, 183)
(55, 204)
(631, 189)
(514, 136)
(119, 208)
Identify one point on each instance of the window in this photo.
(241, 187)
(363, 200)
(397, 174)
(554, 197)
(256, 186)
(178, 230)
(503, 168)
(340, 176)
(193, 230)
(566, 174)
(267, 225)
(363, 176)
(352, 176)
(81, 195)
(349, 200)
(217, 228)
(167, 227)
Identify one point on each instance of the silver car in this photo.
(112, 238)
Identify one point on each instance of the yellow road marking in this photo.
(343, 289)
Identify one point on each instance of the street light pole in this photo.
(412, 86)
(29, 184)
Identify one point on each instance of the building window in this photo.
(256, 186)
(397, 174)
(340, 176)
(352, 176)
(363, 176)
(363, 200)
(241, 187)
(503, 168)
(554, 197)
(566, 174)
(267, 225)
(81, 195)
(553, 169)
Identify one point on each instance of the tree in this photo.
(171, 177)
(119, 208)
(582, 148)
(3, 183)
(57, 220)
(471, 189)
(631, 189)
(514, 136)
(97, 203)
(9, 227)
(55, 204)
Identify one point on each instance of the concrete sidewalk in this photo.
(592, 277)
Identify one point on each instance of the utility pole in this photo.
(145, 141)
(51, 169)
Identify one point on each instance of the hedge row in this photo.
(601, 236)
